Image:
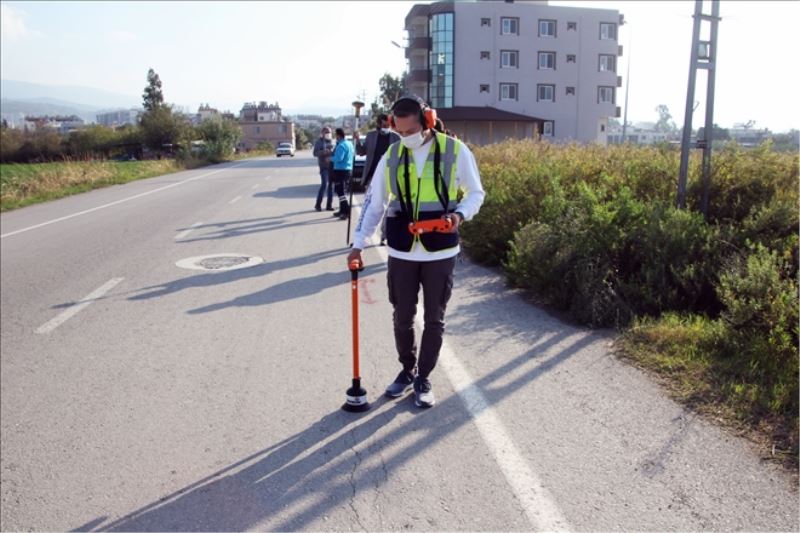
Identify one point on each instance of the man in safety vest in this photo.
(416, 183)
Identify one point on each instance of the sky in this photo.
(310, 56)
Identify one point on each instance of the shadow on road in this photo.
(211, 279)
(309, 475)
(295, 191)
(288, 290)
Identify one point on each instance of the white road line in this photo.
(78, 307)
(254, 187)
(266, 178)
(235, 200)
(183, 234)
(117, 202)
(540, 508)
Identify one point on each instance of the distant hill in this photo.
(88, 98)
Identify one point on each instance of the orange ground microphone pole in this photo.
(356, 395)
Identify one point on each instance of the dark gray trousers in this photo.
(404, 279)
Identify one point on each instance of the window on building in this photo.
(545, 93)
(547, 128)
(571, 90)
(570, 58)
(485, 55)
(573, 26)
(440, 60)
(602, 127)
(508, 91)
(484, 88)
(605, 95)
(509, 26)
(547, 60)
(608, 63)
(486, 22)
(258, 129)
(509, 58)
(608, 30)
(547, 28)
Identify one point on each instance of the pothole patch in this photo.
(219, 262)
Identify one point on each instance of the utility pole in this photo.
(703, 56)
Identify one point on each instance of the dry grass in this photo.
(26, 184)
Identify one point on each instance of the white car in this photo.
(285, 149)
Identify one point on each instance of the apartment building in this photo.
(264, 122)
(506, 69)
(119, 117)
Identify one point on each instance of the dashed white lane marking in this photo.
(235, 200)
(78, 307)
(539, 506)
(266, 178)
(183, 234)
(254, 187)
(117, 202)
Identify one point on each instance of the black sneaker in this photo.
(317, 208)
(400, 385)
(329, 208)
(423, 395)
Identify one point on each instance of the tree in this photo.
(221, 137)
(161, 127)
(391, 88)
(152, 97)
(717, 133)
(665, 122)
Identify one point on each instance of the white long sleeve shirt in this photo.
(376, 200)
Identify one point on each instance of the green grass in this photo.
(702, 362)
(26, 184)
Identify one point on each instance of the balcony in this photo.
(419, 75)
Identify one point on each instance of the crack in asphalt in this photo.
(356, 464)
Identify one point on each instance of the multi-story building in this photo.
(501, 69)
(264, 123)
(119, 117)
(640, 133)
(62, 124)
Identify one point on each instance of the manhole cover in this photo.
(219, 262)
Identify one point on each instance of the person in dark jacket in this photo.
(323, 150)
(375, 145)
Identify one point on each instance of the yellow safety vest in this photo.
(428, 197)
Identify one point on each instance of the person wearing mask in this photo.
(374, 147)
(419, 179)
(342, 160)
(323, 149)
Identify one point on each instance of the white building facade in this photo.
(557, 65)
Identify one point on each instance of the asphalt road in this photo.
(138, 395)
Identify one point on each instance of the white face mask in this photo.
(385, 131)
(327, 137)
(413, 141)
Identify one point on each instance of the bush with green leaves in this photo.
(220, 137)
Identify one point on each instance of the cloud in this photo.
(12, 25)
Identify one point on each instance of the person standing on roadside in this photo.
(374, 147)
(417, 180)
(342, 160)
(323, 150)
